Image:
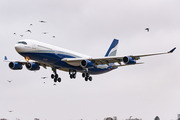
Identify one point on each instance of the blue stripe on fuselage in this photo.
(55, 60)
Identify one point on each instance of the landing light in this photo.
(27, 58)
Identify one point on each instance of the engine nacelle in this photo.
(32, 66)
(15, 66)
(87, 64)
(129, 60)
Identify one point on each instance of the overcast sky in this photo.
(89, 26)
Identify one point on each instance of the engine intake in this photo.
(129, 60)
(87, 64)
(32, 66)
(15, 66)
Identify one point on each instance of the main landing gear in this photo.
(55, 76)
(72, 74)
(86, 76)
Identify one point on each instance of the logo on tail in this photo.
(113, 48)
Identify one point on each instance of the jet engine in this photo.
(15, 66)
(87, 64)
(32, 66)
(129, 60)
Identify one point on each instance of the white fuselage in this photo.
(52, 55)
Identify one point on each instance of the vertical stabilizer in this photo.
(113, 48)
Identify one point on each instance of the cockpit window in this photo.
(22, 42)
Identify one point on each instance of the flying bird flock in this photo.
(30, 31)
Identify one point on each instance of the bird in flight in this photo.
(42, 21)
(44, 32)
(53, 36)
(10, 111)
(147, 29)
(31, 24)
(21, 35)
(9, 81)
(43, 77)
(29, 31)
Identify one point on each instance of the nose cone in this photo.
(19, 48)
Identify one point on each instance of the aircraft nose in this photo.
(18, 48)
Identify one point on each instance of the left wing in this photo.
(17, 61)
(128, 60)
(17, 64)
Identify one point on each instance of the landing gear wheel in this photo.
(71, 76)
(56, 75)
(72, 73)
(55, 79)
(74, 76)
(86, 78)
(83, 75)
(87, 74)
(59, 79)
(90, 78)
(52, 76)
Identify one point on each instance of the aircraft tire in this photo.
(55, 79)
(86, 78)
(59, 79)
(87, 74)
(90, 78)
(56, 76)
(71, 76)
(52, 76)
(74, 76)
(83, 75)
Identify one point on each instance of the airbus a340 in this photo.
(38, 54)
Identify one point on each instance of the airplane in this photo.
(38, 54)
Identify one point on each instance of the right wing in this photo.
(111, 59)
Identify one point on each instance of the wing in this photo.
(128, 60)
(24, 62)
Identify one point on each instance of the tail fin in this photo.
(113, 48)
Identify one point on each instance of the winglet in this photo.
(5, 58)
(171, 51)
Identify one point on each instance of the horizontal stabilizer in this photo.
(5, 58)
